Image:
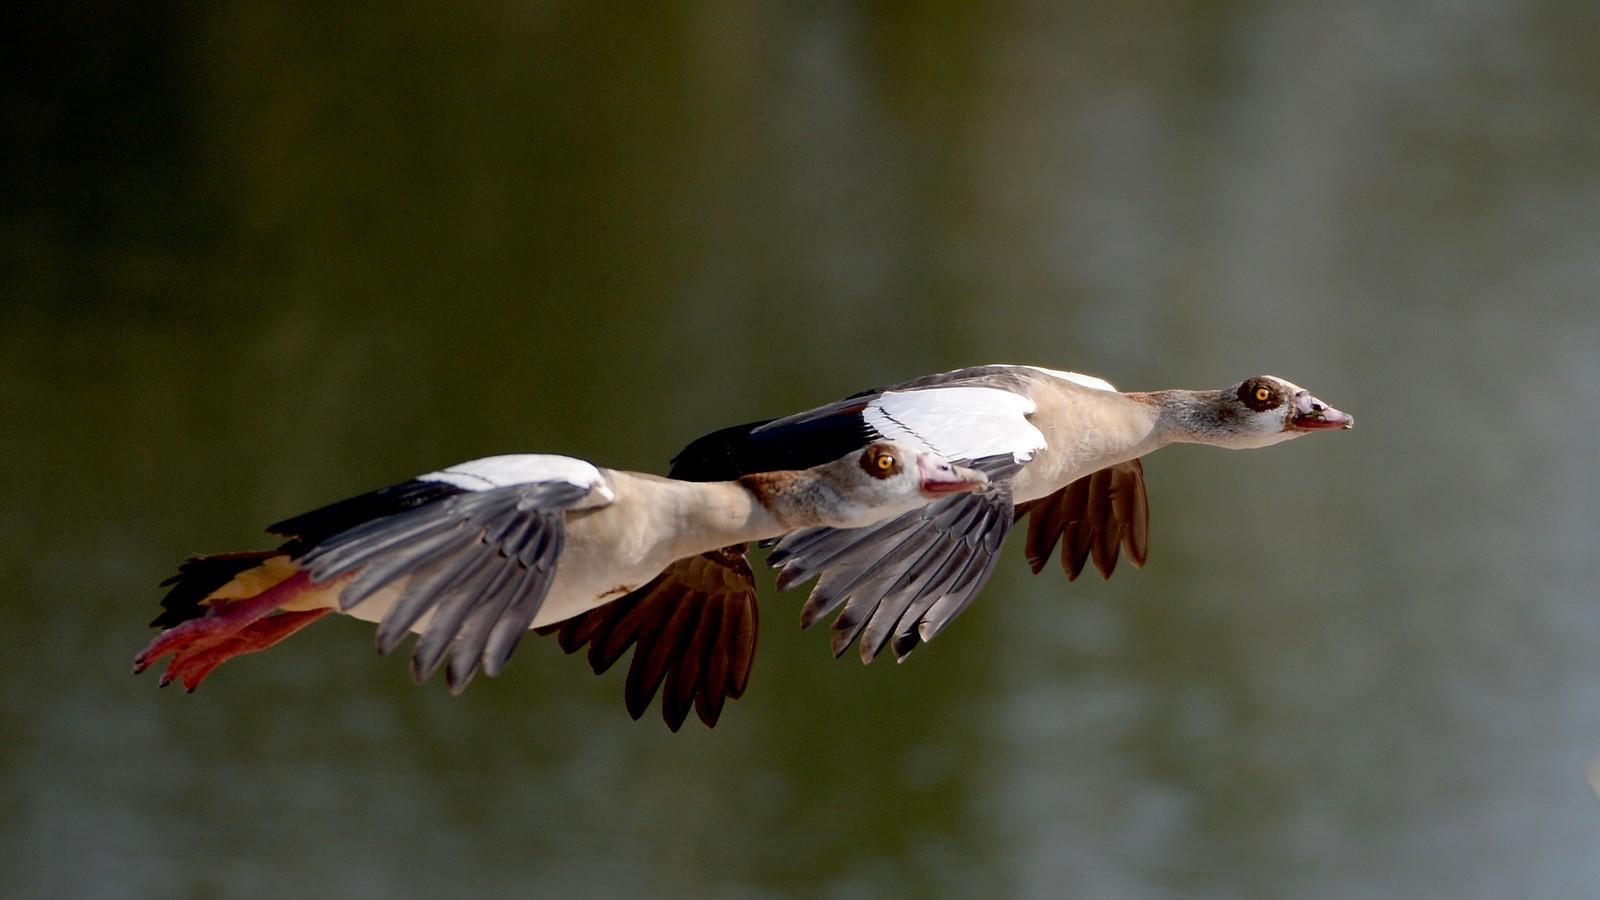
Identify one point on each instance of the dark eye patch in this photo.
(1259, 395)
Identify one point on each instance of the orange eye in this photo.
(885, 462)
(1263, 394)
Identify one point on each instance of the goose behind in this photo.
(473, 556)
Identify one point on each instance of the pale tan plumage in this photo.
(1064, 450)
(473, 556)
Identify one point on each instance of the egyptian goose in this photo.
(1060, 447)
(473, 556)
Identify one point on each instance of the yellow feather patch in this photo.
(251, 582)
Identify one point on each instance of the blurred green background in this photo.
(253, 259)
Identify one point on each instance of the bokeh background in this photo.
(259, 258)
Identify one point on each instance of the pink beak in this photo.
(1311, 414)
(940, 477)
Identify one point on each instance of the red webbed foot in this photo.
(191, 666)
(223, 623)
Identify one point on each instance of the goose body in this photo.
(1063, 450)
(1058, 426)
(622, 529)
(473, 556)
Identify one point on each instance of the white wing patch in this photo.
(522, 468)
(958, 423)
(1088, 381)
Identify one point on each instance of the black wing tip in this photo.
(795, 442)
(326, 521)
(716, 456)
(197, 577)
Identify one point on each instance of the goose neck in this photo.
(1191, 417)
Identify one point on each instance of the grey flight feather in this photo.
(952, 589)
(937, 547)
(902, 581)
(448, 616)
(480, 561)
(906, 637)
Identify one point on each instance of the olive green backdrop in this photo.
(254, 259)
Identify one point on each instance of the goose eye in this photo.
(1263, 394)
(879, 462)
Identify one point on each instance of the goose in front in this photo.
(1062, 450)
(473, 556)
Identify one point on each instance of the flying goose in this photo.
(1062, 449)
(472, 556)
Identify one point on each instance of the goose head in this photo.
(1261, 411)
(885, 479)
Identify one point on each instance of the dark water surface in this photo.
(254, 261)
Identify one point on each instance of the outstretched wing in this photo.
(477, 559)
(978, 412)
(905, 579)
(695, 628)
(822, 435)
(1091, 518)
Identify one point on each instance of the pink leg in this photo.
(220, 623)
(192, 666)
